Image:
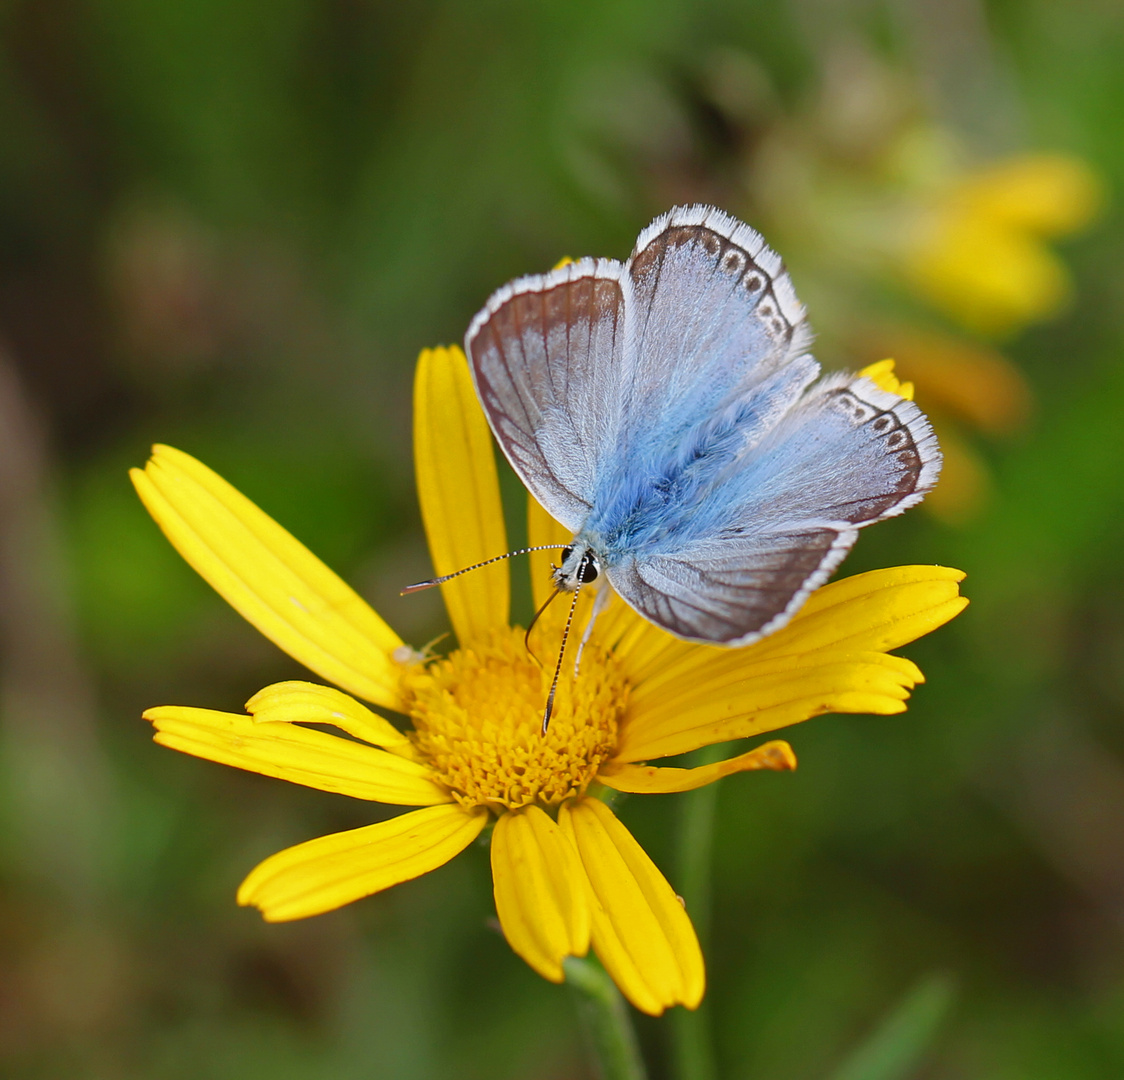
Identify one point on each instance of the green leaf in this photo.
(897, 1045)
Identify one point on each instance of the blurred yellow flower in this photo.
(963, 379)
(977, 248)
(566, 872)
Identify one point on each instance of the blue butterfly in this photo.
(667, 411)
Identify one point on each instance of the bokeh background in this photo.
(231, 227)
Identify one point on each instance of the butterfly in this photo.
(667, 411)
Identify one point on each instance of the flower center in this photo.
(478, 720)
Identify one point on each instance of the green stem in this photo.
(605, 1018)
(691, 1035)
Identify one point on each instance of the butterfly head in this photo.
(579, 567)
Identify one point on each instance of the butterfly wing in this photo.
(711, 314)
(546, 355)
(847, 454)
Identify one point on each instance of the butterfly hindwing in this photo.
(846, 455)
(730, 592)
(847, 452)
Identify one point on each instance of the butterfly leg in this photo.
(600, 602)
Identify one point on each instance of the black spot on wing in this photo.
(730, 261)
(884, 427)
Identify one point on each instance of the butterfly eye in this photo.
(567, 552)
(588, 570)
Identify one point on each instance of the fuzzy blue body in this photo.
(684, 479)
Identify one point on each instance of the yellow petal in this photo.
(307, 703)
(882, 375)
(269, 577)
(640, 930)
(459, 493)
(298, 754)
(649, 780)
(644, 649)
(326, 873)
(877, 611)
(764, 678)
(829, 658)
(543, 529)
(541, 899)
(723, 703)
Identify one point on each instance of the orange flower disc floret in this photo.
(478, 717)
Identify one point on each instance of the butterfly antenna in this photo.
(527, 636)
(558, 667)
(418, 586)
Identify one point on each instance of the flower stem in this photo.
(604, 1016)
(691, 1034)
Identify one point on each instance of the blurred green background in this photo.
(231, 227)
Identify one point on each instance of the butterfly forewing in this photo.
(546, 355)
(708, 294)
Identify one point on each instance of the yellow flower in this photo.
(977, 250)
(566, 871)
(883, 375)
